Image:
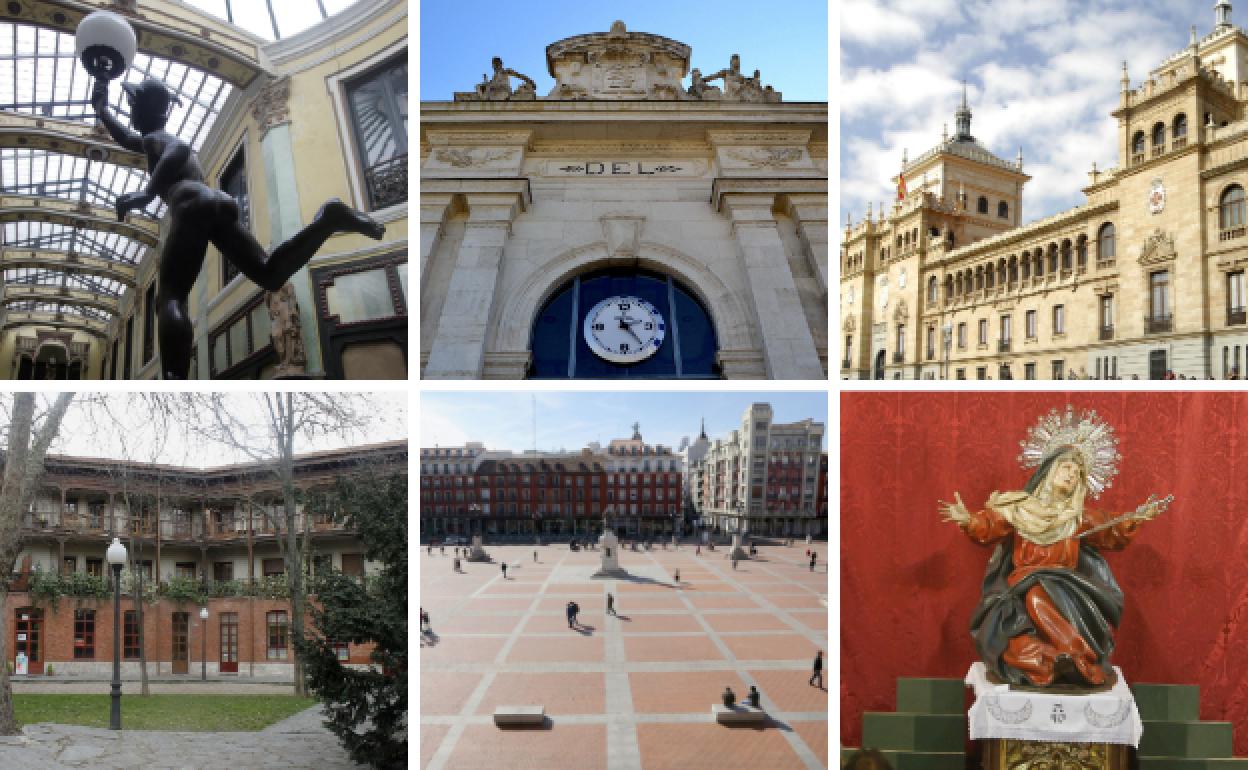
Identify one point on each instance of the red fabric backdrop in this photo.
(909, 581)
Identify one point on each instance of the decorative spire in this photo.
(963, 119)
(1223, 12)
(944, 132)
(904, 160)
(868, 211)
(1191, 41)
(702, 435)
(636, 431)
(1126, 80)
(1020, 158)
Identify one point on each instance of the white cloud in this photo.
(870, 23)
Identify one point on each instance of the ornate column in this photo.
(788, 346)
(458, 350)
(434, 208)
(810, 212)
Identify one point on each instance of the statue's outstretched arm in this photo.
(956, 512)
(122, 135)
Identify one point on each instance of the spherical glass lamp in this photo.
(116, 552)
(105, 44)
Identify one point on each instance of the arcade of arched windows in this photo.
(1058, 260)
(1153, 143)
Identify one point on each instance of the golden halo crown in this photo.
(1085, 434)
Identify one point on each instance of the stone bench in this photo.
(519, 715)
(740, 714)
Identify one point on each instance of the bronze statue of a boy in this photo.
(200, 215)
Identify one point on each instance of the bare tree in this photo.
(30, 433)
(264, 427)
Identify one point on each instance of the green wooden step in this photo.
(918, 760)
(1182, 763)
(931, 696)
(1191, 740)
(1167, 702)
(914, 732)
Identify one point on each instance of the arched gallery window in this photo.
(982, 205)
(1003, 210)
(1105, 242)
(1231, 208)
(643, 325)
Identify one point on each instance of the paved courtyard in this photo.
(627, 692)
(300, 741)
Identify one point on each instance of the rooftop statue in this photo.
(497, 87)
(1050, 604)
(198, 214)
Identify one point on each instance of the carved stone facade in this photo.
(272, 104)
(622, 170)
(1144, 280)
(284, 327)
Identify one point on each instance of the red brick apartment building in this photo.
(195, 536)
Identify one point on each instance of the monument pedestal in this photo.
(736, 551)
(476, 552)
(609, 548)
(1022, 728)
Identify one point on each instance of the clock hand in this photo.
(630, 331)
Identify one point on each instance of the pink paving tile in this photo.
(563, 693)
(558, 624)
(430, 740)
(714, 747)
(645, 588)
(444, 694)
(669, 648)
(573, 648)
(815, 735)
(791, 690)
(721, 601)
(477, 624)
(770, 647)
(510, 587)
(638, 602)
(583, 589)
(509, 604)
(798, 602)
(640, 624)
(486, 747)
(745, 621)
(681, 692)
(461, 649)
(815, 620)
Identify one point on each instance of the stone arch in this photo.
(733, 321)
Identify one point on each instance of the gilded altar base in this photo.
(1009, 754)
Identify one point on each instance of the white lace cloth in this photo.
(1106, 717)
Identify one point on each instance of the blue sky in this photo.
(572, 419)
(1043, 75)
(459, 37)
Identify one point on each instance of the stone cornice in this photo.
(70, 137)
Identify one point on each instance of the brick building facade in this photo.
(192, 534)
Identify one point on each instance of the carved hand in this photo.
(99, 96)
(1152, 508)
(131, 200)
(956, 511)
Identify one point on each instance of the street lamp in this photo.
(105, 43)
(203, 643)
(116, 556)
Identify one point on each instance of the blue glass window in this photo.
(560, 350)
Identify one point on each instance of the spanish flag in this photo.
(901, 185)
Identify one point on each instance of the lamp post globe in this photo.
(203, 643)
(105, 44)
(116, 555)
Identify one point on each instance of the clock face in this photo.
(624, 330)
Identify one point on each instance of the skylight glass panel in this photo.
(259, 17)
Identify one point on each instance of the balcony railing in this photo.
(1003, 346)
(1159, 150)
(1158, 324)
(846, 364)
(1230, 233)
(930, 354)
(387, 182)
(1235, 316)
(1137, 158)
(1179, 143)
(899, 358)
(1107, 332)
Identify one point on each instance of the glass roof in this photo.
(40, 306)
(272, 19)
(39, 276)
(39, 76)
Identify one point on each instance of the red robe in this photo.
(1034, 655)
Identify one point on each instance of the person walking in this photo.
(813, 557)
(755, 697)
(455, 564)
(678, 576)
(611, 605)
(444, 549)
(734, 562)
(818, 670)
(571, 613)
(698, 550)
(424, 622)
(504, 570)
(535, 557)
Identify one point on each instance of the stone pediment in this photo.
(1158, 249)
(617, 65)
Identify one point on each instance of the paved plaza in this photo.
(300, 741)
(627, 692)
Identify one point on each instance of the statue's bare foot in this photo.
(344, 219)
